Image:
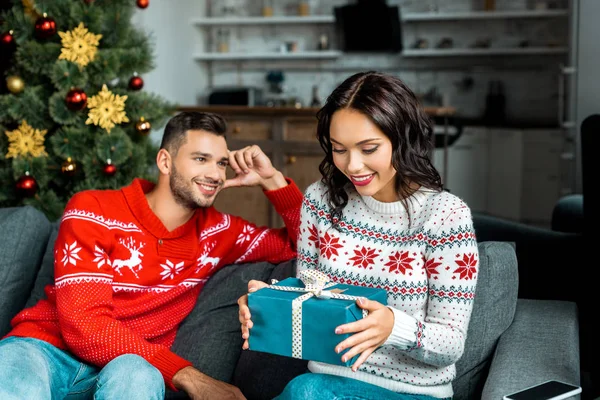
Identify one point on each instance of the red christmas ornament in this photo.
(76, 99)
(26, 186)
(142, 3)
(45, 27)
(7, 40)
(136, 83)
(109, 169)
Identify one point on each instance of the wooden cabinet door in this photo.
(303, 169)
(302, 154)
(249, 129)
(249, 203)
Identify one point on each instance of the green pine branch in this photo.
(123, 51)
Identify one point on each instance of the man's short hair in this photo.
(175, 134)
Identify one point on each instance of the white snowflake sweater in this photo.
(123, 282)
(429, 270)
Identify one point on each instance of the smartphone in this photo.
(549, 390)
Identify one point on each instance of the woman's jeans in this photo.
(311, 386)
(34, 369)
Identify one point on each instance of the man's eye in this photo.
(223, 164)
(200, 159)
(339, 151)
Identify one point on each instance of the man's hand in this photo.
(369, 333)
(202, 387)
(252, 167)
(244, 313)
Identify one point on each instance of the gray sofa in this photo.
(512, 343)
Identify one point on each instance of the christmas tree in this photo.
(75, 116)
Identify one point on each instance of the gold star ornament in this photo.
(26, 141)
(79, 45)
(106, 109)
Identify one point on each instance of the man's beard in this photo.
(184, 194)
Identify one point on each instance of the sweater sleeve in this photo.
(308, 238)
(84, 294)
(451, 262)
(254, 243)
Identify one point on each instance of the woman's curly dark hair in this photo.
(396, 111)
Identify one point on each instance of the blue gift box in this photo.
(272, 318)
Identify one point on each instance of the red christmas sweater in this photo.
(123, 283)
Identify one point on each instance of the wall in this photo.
(530, 81)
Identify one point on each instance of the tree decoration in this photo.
(15, 84)
(29, 9)
(143, 127)
(8, 40)
(109, 168)
(79, 45)
(69, 167)
(26, 185)
(136, 82)
(142, 3)
(45, 27)
(106, 109)
(26, 141)
(76, 99)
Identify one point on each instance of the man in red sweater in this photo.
(129, 265)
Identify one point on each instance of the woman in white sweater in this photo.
(379, 217)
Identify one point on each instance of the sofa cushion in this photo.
(23, 238)
(45, 275)
(493, 312)
(210, 337)
(262, 376)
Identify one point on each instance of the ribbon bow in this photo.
(315, 283)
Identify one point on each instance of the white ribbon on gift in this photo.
(315, 283)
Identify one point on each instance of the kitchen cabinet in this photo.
(542, 170)
(507, 173)
(467, 167)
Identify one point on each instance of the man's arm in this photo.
(84, 293)
(254, 168)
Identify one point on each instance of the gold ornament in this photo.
(79, 45)
(29, 9)
(106, 109)
(69, 167)
(26, 140)
(15, 84)
(143, 127)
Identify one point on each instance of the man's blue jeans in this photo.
(311, 386)
(34, 369)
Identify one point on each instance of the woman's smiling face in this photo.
(363, 153)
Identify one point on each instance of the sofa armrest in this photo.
(541, 344)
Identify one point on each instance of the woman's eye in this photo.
(369, 151)
(339, 151)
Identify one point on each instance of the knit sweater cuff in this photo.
(169, 363)
(404, 333)
(285, 198)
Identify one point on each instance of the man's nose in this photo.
(215, 173)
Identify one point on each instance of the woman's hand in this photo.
(244, 312)
(369, 333)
